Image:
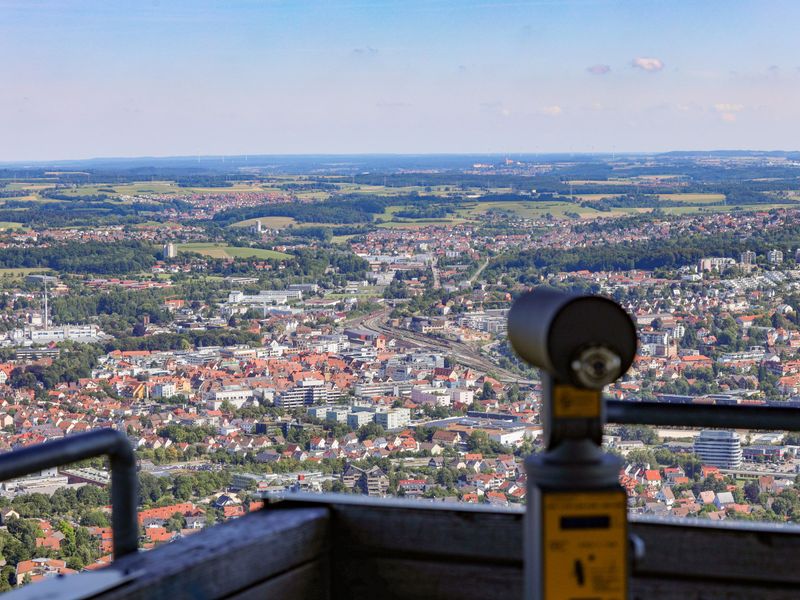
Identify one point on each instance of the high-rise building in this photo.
(170, 250)
(775, 257)
(748, 257)
(394, 418)
(719, 448)
(306, 392)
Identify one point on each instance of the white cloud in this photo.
(647, 64)
(599, 69)
(368, 51)
(551, 111)
(496, 108)
(727, 110)
(725, 107)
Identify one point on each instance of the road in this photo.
(751, 473)
(435, 270)
(477, 273)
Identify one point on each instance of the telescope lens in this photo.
(596, 367)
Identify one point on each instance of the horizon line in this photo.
(200, 157)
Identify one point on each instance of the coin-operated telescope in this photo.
(576, 543)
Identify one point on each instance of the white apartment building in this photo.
(236, 395)
(394, 418)
(719, 448)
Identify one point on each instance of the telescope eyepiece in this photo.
(597, 366)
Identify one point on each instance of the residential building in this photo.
(394, 418)
(307, 391)
(719, 448)
(748, 257)
(775, 257)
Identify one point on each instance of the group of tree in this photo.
(673, 252)
(75, 361)
(89, 257)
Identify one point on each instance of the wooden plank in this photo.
(388, 578)
(307, 582)
(372, 550)
(765, 554)
(675, 588)
(225, 560)
(454, 535)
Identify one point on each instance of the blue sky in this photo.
(83, 79)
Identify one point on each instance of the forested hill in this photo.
(651, 254)
(90, 257)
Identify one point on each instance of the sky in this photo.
(82, 79)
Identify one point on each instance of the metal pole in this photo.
(124, 484)
(703, 415)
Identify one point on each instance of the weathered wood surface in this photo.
(388, 578)
(354, 549)
(306, 582)
(406, 550)
(222, 561)
(413, 532)
(284, 553)
(763, 554)
(676, 588)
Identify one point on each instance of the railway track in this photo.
(463, 353)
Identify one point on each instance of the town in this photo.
(347, 333)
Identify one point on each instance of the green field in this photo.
(594, 197)
(418, 223)
(533, 210)
(602, 182)
(29, 186)
(685, 210)
(9, 225)
(22, 272)
(693, 198)
(268, 222)
(220, 251)
(342, 239)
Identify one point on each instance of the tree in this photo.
(95, 518)
(782, 506)
(643, 433)
(641, 457)
(176, 522)
(751, 491)
(446, 477)
(370, 431)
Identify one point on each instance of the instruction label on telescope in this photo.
(575, 403)
(585, 545)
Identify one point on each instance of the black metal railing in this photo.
(101, 442)
(703, 415)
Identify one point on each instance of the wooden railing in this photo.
(330, 546)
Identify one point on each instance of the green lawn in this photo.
(683, 210)
(268, 222)
(220, 251)
(341, 239)
(693, 198)
(419, 223)
(533, 210)
(22, 272)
